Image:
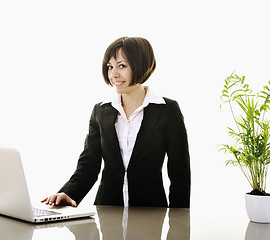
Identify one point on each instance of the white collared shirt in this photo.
(127, 130)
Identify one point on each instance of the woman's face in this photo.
(120, 73)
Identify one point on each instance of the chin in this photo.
(119, 91)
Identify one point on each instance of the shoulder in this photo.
(171, 104)
(103, 109)
(173, 110)
(168, 106)
(170, 101)
(101, 106)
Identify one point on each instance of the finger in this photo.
(73, 203)
(52, 199)
(59, 198)
(62, 197)
(44, 200)
(70, 201)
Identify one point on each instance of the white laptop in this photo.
(14, 197)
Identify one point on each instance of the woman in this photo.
(132, 134)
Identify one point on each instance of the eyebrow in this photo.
(118, 61)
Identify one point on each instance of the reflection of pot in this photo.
(258, 208)
(257, 231)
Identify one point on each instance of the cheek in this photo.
(109, 76)
(129, 75)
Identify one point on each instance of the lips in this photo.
(118, 83)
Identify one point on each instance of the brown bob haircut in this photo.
(139, 54)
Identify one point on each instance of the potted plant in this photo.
(251, 143)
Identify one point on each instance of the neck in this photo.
(134, 98)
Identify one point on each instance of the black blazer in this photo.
(162, 132)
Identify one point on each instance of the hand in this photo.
(58, 198)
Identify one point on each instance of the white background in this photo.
(50, 78)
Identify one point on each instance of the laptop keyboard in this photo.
(41, 212)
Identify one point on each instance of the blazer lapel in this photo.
(151, 115)
(108, 121)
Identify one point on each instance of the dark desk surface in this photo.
(139, 223)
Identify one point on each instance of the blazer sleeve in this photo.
(178, 158)
(89, 163)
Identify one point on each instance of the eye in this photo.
(122, 65)
(109, 67)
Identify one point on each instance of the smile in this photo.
(118, 83)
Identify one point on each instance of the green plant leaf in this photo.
(251, 147)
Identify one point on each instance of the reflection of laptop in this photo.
(14, 197)
(12, 229)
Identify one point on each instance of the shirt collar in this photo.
(150, 97)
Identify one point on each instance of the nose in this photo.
(115, 73)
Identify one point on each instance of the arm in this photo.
(178, 158)
(88, 166)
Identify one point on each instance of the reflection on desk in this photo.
(142, 223)
(131, 224)
(257, 231)
(12, 229)
(115, 223)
